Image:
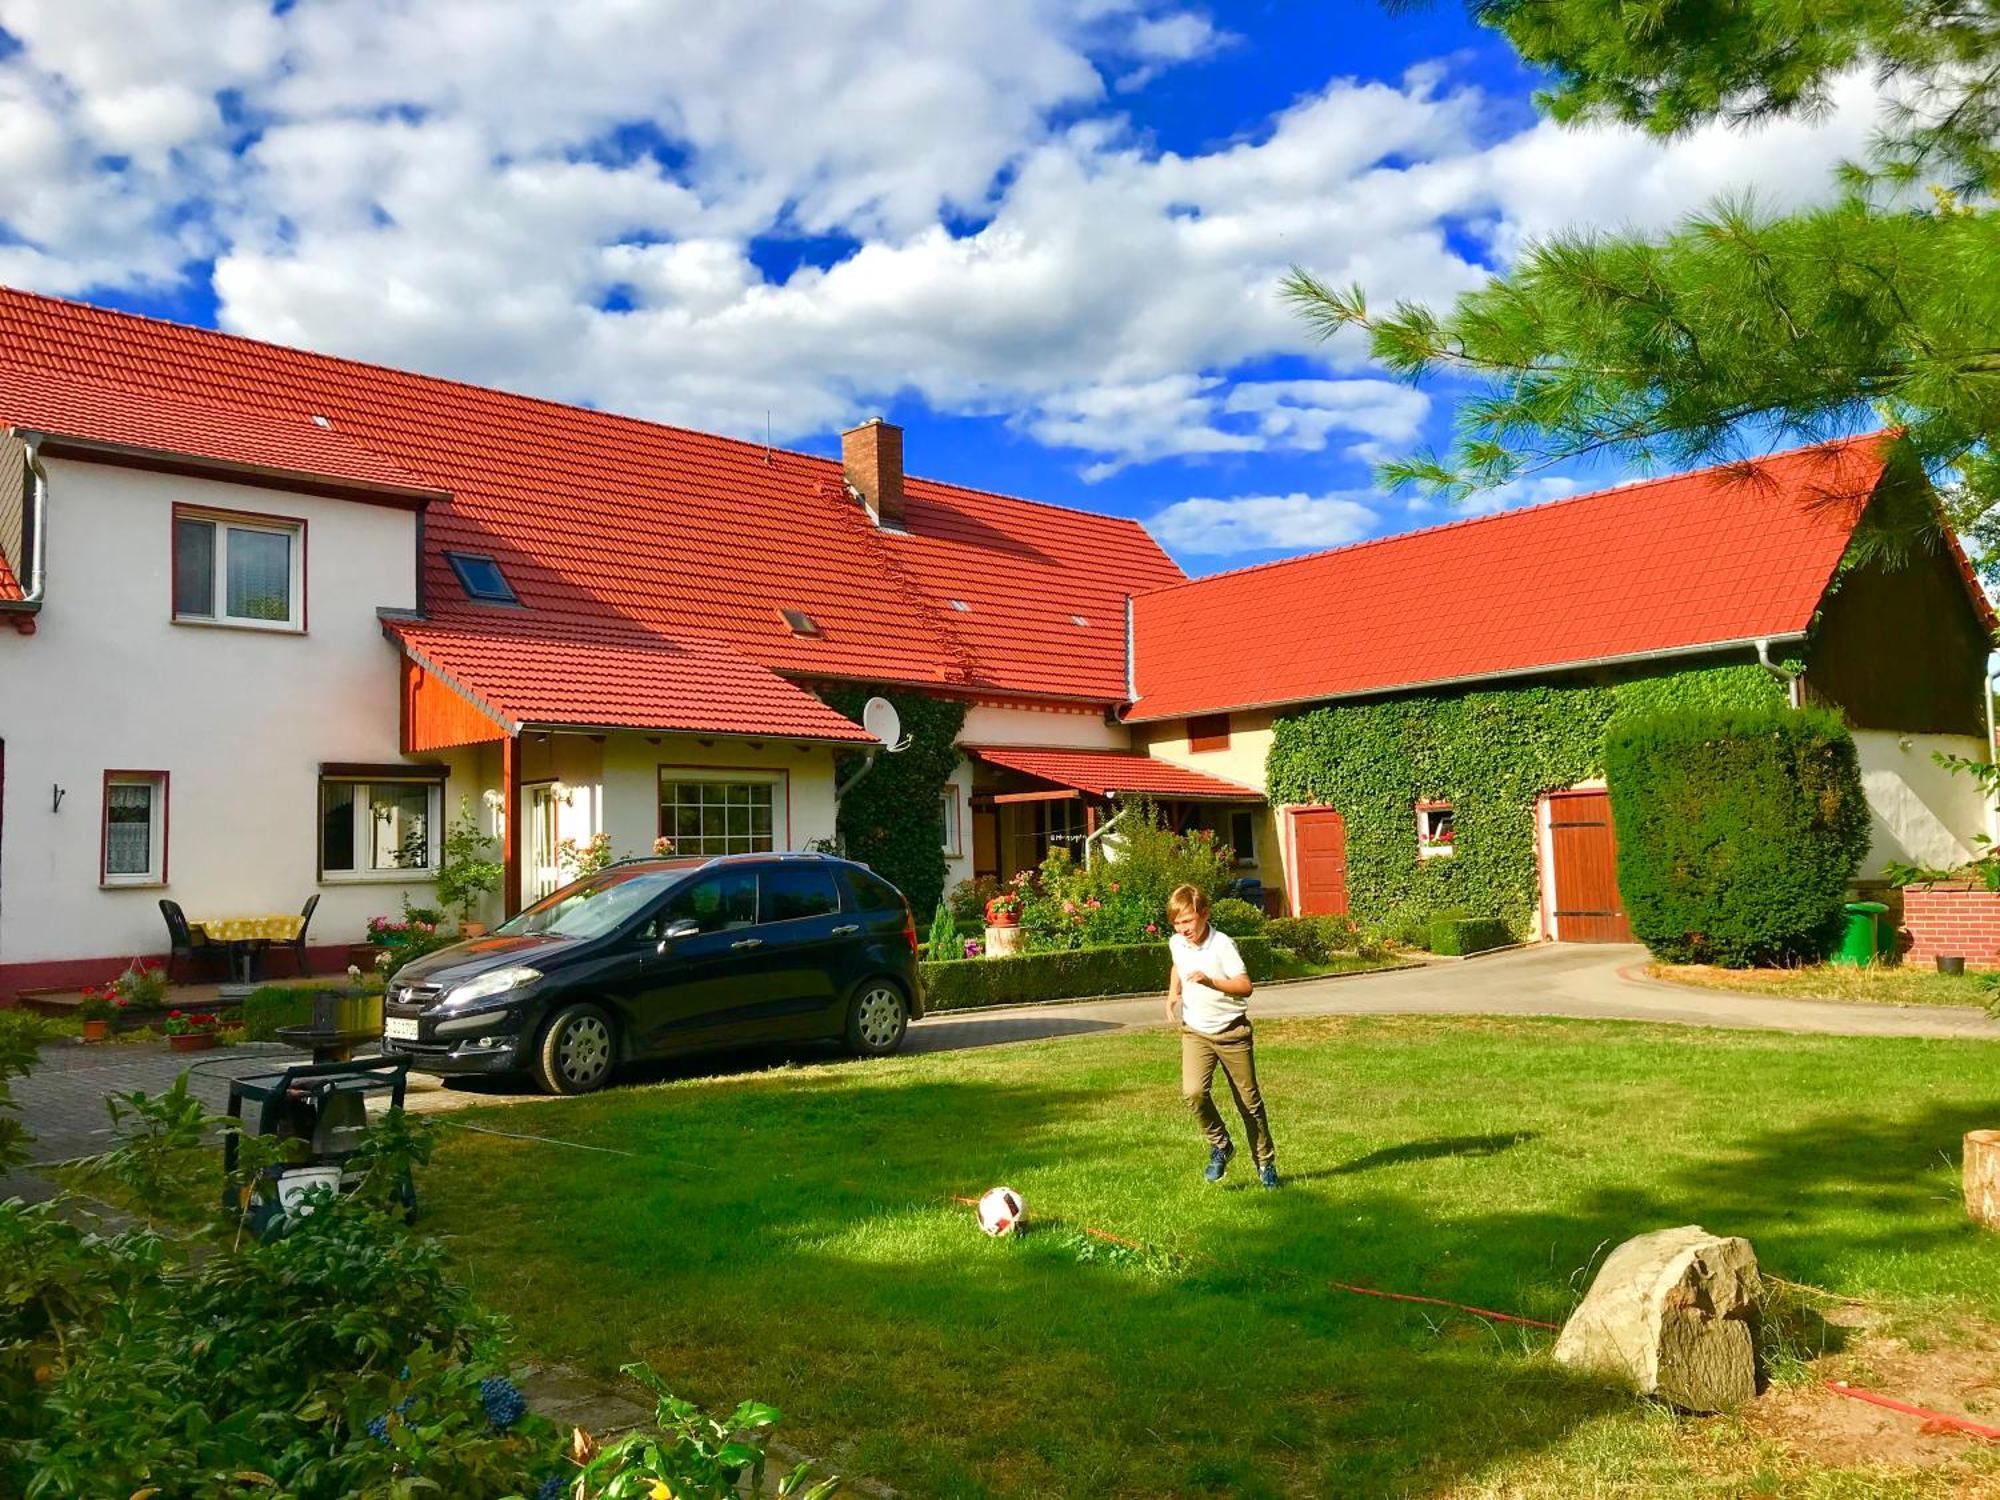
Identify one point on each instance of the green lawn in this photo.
(789, 1235)
(1893, 984)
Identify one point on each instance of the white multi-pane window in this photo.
(239, 571)
(378, 828)
(135, 828)
(709, 817)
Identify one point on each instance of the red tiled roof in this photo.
(1102, 772)
(296, 447)
(10, 587)
(596, 517)
(1720, 556)
(639, 682)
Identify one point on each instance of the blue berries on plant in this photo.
(504, 1403)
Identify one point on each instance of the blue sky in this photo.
(1044, 235)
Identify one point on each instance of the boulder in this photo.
(1674, 1312)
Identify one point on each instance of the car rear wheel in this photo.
(877, 1019)
(576, 1051)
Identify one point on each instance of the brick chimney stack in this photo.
(872, 456)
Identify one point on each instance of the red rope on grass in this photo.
(1339, 1286)
(1943, 1419)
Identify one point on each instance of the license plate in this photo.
(400, 1028)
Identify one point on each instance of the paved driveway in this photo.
(63, 1099)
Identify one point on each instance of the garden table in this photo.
(246, 937)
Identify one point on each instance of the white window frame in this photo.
(954, 838)
(777, 781)
(1432, 817)
(155, 872)
(364, 813)
(226, 524)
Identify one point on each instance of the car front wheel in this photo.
(877, 1019)
(576, 1051)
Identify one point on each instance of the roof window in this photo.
(481, 578)
(801, 622)
(961, 606)
(1079, 622)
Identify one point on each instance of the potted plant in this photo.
(190, 1031)
(96, 1013)
(1004, 910)
(467, 874)
(143, 986)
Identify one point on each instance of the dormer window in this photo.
(801, 622)
(481, 578)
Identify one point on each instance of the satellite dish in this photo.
(879, 718)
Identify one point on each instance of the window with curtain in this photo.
(235, 572)
(378, 827)
(135, 816)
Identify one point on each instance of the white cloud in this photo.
(1262, 523)
(463, 188)
(1510, 496)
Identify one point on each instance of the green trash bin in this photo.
(1858, 942)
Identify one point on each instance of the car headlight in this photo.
(486, 986)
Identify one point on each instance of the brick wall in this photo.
(1953, 920)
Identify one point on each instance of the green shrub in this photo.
(1121, 899)
(271, 1006)
(1236, 917)
(968, 900)
(1314, 940)
(1738, 832)
(943, 941)
(1127, 969)
(1458, 936)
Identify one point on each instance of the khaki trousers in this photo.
(1234, 1050)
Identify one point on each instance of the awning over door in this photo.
(1106, 773)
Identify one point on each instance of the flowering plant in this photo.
(1006, 904)
(99, 1004)
(143, 985)
(389, 933)
(586, 858)
(182, 1023)
(663, 846)
(974, 948)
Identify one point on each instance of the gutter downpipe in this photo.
(30, 602)
(855, 780)
(1790, 680)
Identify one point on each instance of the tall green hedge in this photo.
(1738, 831)
(1491, 755)
(1125, 969)
(891, 821)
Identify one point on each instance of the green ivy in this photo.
(1490, 754)
(890, 821)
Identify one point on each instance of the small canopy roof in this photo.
(1105, 773)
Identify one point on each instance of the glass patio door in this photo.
(540, 872)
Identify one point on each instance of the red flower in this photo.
(173, 1015)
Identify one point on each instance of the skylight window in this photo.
(1079, 622)
(481, 578)
(961, 606)
(801, 622)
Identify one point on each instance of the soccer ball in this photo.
(1000, 1211)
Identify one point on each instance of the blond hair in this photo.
(1185, 899)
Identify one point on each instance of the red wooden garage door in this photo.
(1319, 846)
(1584, 852)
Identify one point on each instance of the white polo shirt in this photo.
(1205, 1008)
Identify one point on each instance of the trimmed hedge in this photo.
(1455, 937)
(273, 1005)
(1738, 832)
(1128, 969)
(1315, 940)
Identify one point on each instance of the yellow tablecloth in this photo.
(281, 929)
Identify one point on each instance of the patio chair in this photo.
(182, 944)
(299, 964)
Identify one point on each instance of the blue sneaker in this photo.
(1268, 1174)
(1218, 1163)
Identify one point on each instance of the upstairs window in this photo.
(239, 570)
(135, 828)
(481, 578)
(1208, 732)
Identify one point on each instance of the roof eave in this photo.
(1134, 715)
(857, 741)
(173, 461)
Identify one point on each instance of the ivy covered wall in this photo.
(891, 821)
(1489, 754)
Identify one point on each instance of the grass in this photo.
(791, 1235)
(1894, 984)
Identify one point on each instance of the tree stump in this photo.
(1002, 942)
(1982, 1176)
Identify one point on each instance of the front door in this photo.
(1583, 869)
(1319, 854)
(541, 871)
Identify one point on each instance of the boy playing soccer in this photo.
(1206, 995)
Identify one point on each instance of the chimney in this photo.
(872, 457)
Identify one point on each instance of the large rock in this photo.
(1674, 1312)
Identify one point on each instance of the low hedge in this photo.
(1029, 978)
(273, 1005)
(1315, 940)
(1456, 937)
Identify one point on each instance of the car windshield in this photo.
(594, 905)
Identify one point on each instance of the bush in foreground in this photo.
(1738, 832)
(1074, 974)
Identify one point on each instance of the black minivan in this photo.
(653, 956)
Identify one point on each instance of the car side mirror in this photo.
(686, 927)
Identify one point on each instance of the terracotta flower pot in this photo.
(192, 1041)
(1002, 918)
(96, 1031)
